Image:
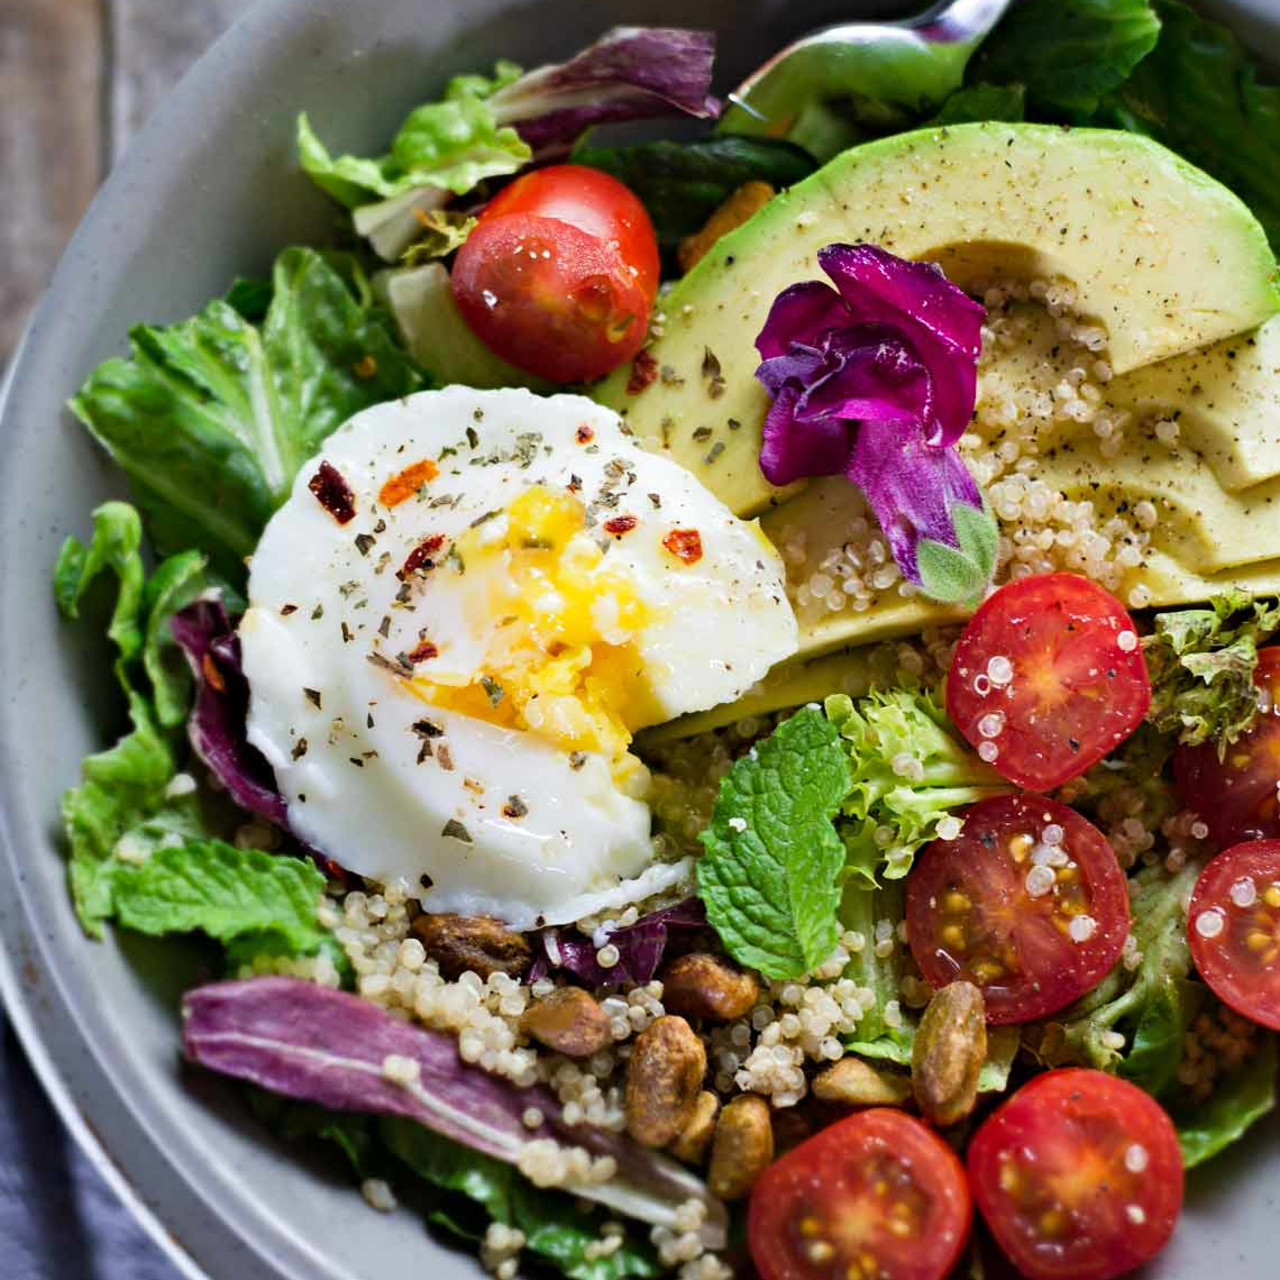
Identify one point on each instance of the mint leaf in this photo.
(222, 891)
(770, 873)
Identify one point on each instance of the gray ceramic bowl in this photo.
(208, 191)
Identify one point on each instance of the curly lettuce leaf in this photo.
(1068, 53)
(212, 417)
(888, 816)
(123, 804)
(452, 145)
(1201, 663)
(770, 872)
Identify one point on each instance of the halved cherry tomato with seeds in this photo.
(1028, 903)
(877, 1196)
(1235, 794)
(1233, 923)
(1047, 678)
(560, 274)
(1078, 1175)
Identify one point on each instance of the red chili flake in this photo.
(644, 372)
(620, 525)
(422, 651)
(404, 484)
(210, 671)
(365, 367)
(422, 555)
(333, 493)
(585, 435)
(684, 544)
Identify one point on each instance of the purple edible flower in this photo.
(641, 947)
(630, 73)
(876, 380)
(304, 1041)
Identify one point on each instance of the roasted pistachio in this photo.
(742, 1147)
(950, 1048)
(693, 1142)
(855, 1083)
(699, 985)
(570, 1021)
(664, 1078)
(481, 944)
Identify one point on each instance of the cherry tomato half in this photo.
(1236, 795)
(560, 274)
(877, 1196)
(1028, 903)
(1233, 923)
(1078, 1175)
(1047, 678)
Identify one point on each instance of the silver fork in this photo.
(869, 60)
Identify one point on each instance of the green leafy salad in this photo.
(714, 701)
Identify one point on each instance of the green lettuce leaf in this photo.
(1067, 54)
(1235, 1105)
(888, 816)
(1198, 93)
(890, 1037)
(555, 1228)
(225, 892)
(770, 872)
(123, 801)
(452, 145)
(1147, 1004)
(1202, 662)
(212, 417)
(683, 183)
(983, 102)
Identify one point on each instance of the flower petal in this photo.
(799, 314)
(939, 319)
(913, 487)
(792, 450)
(873, 377)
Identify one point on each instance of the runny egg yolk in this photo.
(560, 622)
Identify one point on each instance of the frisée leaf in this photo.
(910, 771)
(1202, 662)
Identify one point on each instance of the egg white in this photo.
(397, 790)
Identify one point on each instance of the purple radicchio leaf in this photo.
(328, 1047)
(641, 947)
(630, 73)
(877, 381)
(216, 727)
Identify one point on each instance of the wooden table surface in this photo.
(77, 78)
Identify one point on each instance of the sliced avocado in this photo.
(791, 684)
(437, 336)
(1164, 257)
(1225, 399)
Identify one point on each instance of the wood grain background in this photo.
(77, 78)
